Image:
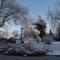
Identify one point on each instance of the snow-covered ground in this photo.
(55, 48)
(51, 49)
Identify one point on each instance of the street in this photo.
(29, 58)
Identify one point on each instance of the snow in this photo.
(51, 49)
(54, 53)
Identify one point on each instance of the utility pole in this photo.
(21, 36)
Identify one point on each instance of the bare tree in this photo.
(54, 16)
(57, 37)
(10, 10)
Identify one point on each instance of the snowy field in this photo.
(55, 48)
(51, 49)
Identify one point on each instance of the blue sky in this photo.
(38, 7)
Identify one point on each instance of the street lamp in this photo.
(21, 36)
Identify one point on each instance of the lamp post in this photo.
(21, 36)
